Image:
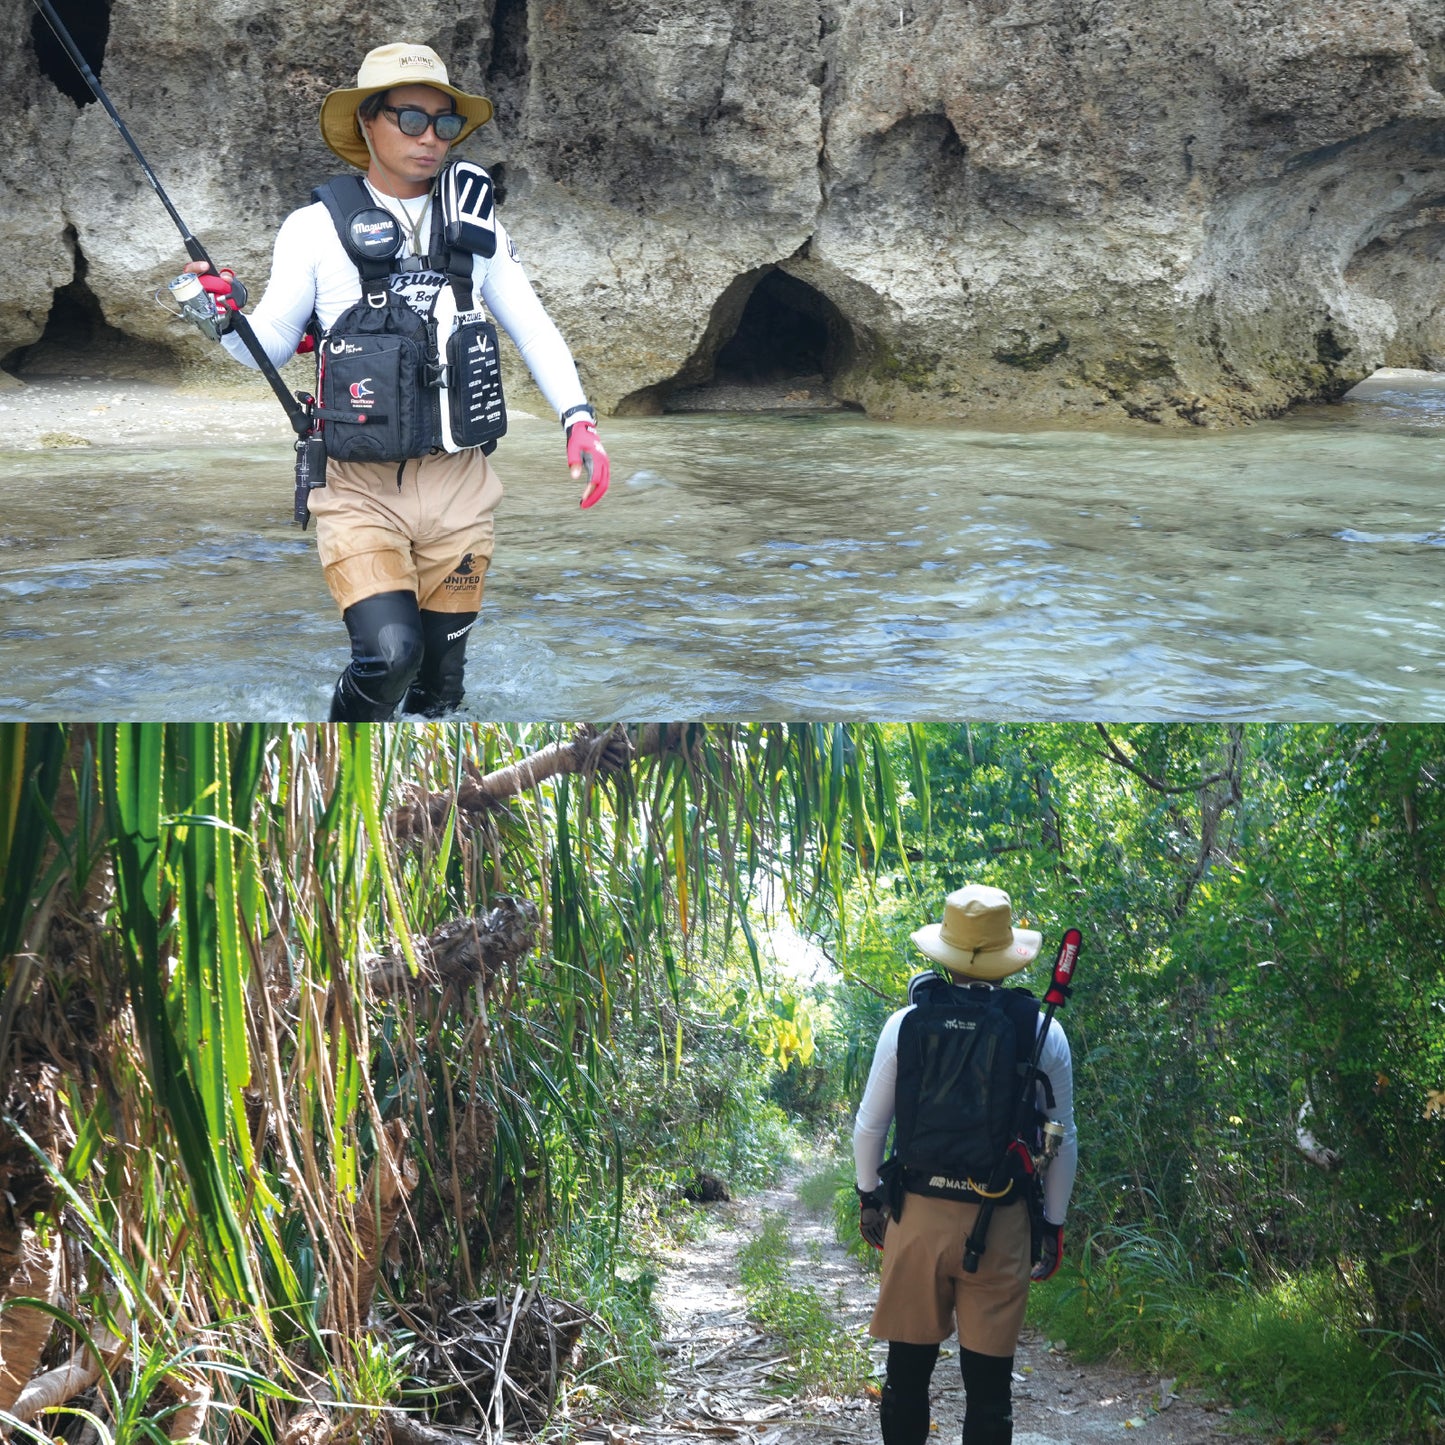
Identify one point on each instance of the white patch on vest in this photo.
(419, 289)
(965, 1024)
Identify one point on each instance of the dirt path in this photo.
(724, 1375)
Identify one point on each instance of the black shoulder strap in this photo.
(456, 262)
(1023, 1008)
(344, 198)
(924, 989)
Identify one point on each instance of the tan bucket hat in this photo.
(382, 68)
(977, 938)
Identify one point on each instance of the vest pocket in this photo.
(477, 411)
(369, 399)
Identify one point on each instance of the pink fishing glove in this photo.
(585, 454)
(228, 293)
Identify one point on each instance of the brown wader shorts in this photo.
(924, 1286)
(422, 526)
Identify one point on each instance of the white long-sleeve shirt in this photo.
(311, 272)
(875, 1113)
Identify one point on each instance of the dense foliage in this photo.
(291, 1018)
(1259, 1015)
(294, 1019)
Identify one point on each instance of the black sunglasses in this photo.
(412, 120)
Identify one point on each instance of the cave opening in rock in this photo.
(88, 22)
(788, 331)
(77, 339)
(771, 341)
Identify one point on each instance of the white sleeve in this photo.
(875, 1113)
(290, 298)
(510, 298)
(1056, 1061)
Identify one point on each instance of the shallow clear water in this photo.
(784, 565)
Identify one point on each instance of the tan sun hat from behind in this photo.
(977, 938)
(382, 68)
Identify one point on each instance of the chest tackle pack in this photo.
(962, 1055)
(394, 383)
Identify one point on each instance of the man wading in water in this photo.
(389, 275)
(947, 1067)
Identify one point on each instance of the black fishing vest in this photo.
(963, 1052)
(391, 383)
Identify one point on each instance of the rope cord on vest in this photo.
(414, 228)
(983, 1192)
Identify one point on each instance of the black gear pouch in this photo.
(1034, 1195)
(478, 413)
(891, 1173)
(373, 385)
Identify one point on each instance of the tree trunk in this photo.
(588, 751)
(309, 1427)
(29, 1268)
(404, 1429)
(393, 1177)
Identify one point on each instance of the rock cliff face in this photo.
(1074, 209)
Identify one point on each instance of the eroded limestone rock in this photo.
(1072, 209)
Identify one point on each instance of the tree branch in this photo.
(1422, 869)
(587, 751)
(1157, 785)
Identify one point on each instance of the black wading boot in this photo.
(386, 651)
(988, 1417)
(437, 688)
(903, 1413)
(988, 1427)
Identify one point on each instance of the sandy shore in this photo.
(1398, 378)
(84, 412)
(56, 412)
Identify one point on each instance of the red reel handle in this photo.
(1064, 967)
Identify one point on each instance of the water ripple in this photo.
(1283, 571)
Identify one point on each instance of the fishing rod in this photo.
(999, 1179)
(296, 413)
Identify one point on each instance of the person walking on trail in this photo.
(387, 274)
(947, 1073)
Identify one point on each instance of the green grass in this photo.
(831, 1192)
(619, 1361)
(1289, 1353)
(822, 1353)
(817, 1192)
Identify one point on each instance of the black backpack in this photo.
(963, 1051)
